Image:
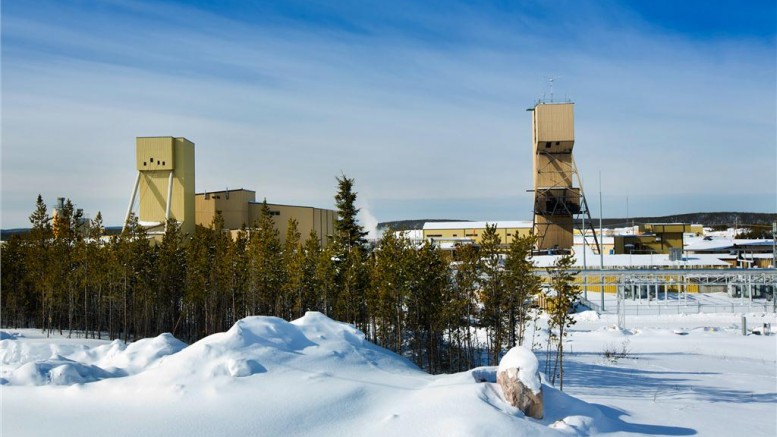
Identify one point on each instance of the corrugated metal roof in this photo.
(657, 260)
(719, 244)
(501, 224)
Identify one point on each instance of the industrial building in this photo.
(737, 252)
(558, 193)
(472, 232)
(164, 188)
(653, 238)
(240, 209)
(164, 183)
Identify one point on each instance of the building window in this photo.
(275, 213)
(434, 235)
(455, 235)
(547, 145)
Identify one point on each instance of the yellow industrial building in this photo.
(472, 232)
(240, 208)
(164, 188)
(164, 183)
(653, 238)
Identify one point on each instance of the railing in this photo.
(631, 309)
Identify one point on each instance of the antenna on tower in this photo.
(551, 81)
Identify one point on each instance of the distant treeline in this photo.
(412, 300)
(711, 219)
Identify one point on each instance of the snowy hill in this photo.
(264, 376)
(316, 376)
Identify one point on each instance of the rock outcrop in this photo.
(520, 381)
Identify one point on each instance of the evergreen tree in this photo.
(240, 275)
(561, 304)
(351, 275)
(40, 220)
(428, 296)
(348, 232)
(197, 284)
(492, 292)
(352, 288)
(310, 289)
(17, 295)
(38, 263)
(390, 285)
(217, 303)
(266, 264)
(326, 282)
(171, 284)
(468, 271)
(293, 263)
(521, 286)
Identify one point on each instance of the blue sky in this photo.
(422, 102)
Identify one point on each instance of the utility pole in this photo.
(774, 245)
(601, 246)
(585, 266)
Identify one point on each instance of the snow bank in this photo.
(526, 362)
(134, 357)
(55, 371)
(43, 362)
(588, 316)
(264, 376)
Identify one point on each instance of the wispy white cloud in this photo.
(417, 104)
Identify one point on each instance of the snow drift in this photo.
(264, 376)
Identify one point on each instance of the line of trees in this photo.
(420, 302)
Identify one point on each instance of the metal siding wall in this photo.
(158, 148)
(152, 194)
(182, 208)
(553, 171)
(556, 122)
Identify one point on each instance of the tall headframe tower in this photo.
(556, 200)
(165, 183)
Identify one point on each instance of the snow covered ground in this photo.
(683, 375)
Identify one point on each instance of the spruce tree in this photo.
(560, 308)
(293, 264)
(40, 221)
(492, 290)
(350, 254)
(390, 284)
(326, 282)
(240, 275)
(38, 262)
(468, 271)
(428, 296)
(348, 232)
(266, 263)
(521, 286)
(310, 289)
(171, 271)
